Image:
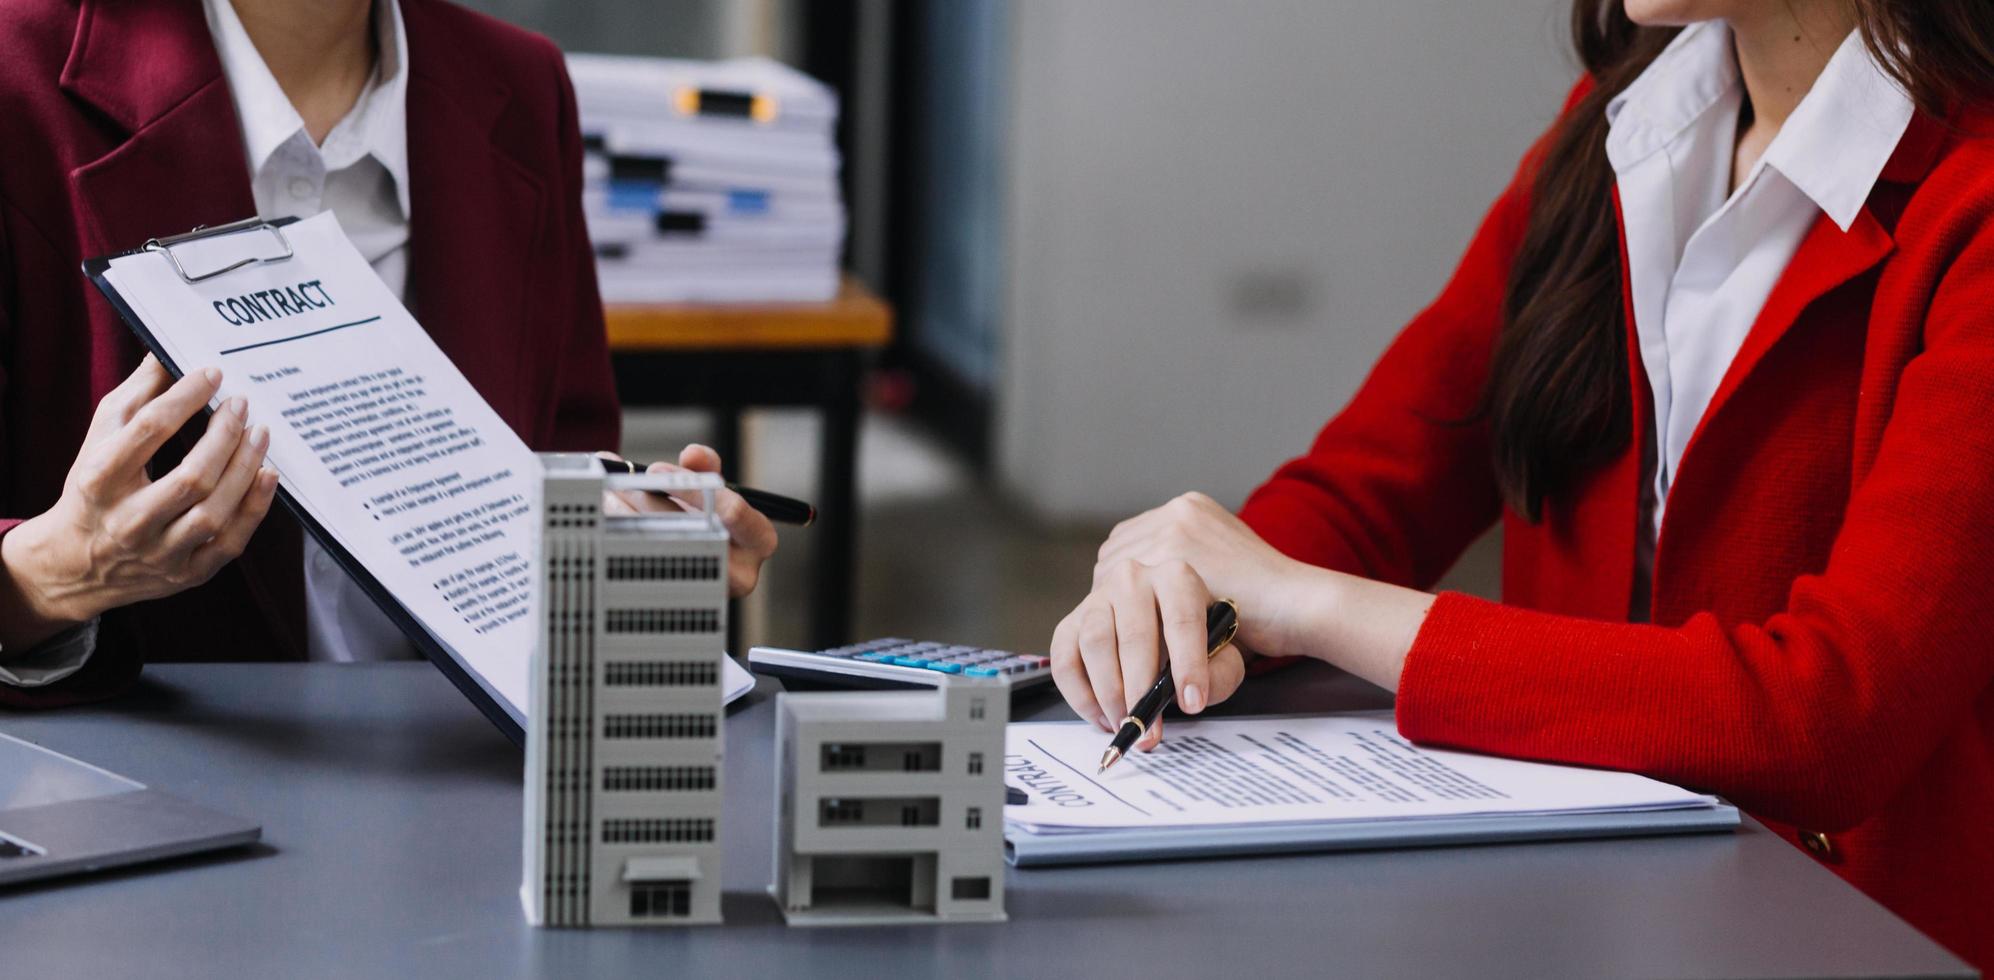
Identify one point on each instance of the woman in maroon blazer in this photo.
(120, 124)
(1721, 362)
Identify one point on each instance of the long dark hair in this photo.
(1558, 399)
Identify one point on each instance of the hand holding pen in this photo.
(774, 506)
(1107, 651)
(1221, 625)
(752, 536)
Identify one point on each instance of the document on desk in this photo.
(1306, 783)
(373, 431)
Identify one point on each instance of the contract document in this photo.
(1308, 783)
(384, 450)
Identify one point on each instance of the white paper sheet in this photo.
(1292, 770)
(372, 428)
(735, 681)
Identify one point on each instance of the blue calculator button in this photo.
(875, 657)
(982, 672)
(945, 668)
(909, 661)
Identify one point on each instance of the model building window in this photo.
(665, 830)
(976, 709)
(976, 763)
(663, 568)
(661, 899)
(835, 812)
(969, 889)
(880, 757)
(658, 726)
(653, 779)
(662, 621)
(923, 811)
(660, 674)
(838, 757)
(974, 819)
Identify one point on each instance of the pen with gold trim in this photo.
(1221, 624)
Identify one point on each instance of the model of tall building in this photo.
(623, 735)
(890, 804)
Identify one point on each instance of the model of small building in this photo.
(623, 735)
(890, 804)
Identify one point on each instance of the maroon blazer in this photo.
(116, 125)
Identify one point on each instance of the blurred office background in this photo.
(1135, 247)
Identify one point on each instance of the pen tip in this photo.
(1108, 758)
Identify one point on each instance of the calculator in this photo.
(895, 662)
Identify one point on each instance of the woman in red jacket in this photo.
(1721, 360)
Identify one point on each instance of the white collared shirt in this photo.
(360, 174)
(1701, 258)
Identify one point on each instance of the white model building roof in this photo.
(865, 706)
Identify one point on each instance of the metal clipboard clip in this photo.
(164, 246)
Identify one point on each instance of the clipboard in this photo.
(1026, 849)
(275, 248)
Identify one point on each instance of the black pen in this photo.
(1221, 624)
(774, 506)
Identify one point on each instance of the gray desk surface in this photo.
(391, 824)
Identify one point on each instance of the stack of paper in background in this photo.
(709, 181)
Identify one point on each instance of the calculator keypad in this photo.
(941, 657)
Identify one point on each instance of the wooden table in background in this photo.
(730, 357)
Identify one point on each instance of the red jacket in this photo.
(116, 125)
(1822, 647)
